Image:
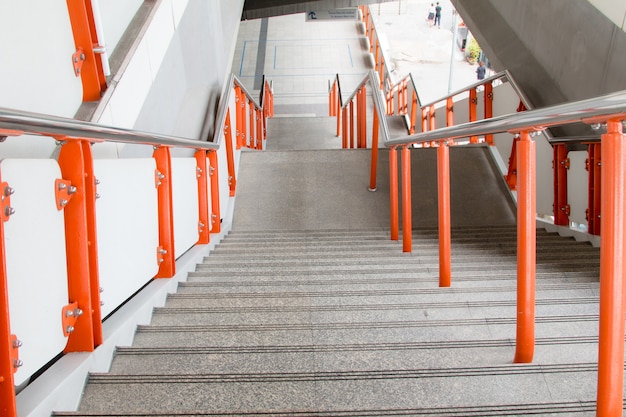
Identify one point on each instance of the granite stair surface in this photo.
(343, 323)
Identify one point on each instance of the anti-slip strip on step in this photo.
(380, 292)
(373, 347)
(360, 325)
(582, 406)
(483, 371)
(368, 307)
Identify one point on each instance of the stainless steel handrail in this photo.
(60, 128)
(503, 74)
(588, 111)
(356, 90)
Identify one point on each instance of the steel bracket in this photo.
(78, 58)
(158, 177)
(63, 191)
(69, 315)
(5, 203)
(161, 251)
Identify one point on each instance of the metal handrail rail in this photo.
(22, 122)
(354, 93)
(591, 110)
(503, 74)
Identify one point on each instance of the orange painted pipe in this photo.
(253, 133)
(167, 268)
(611, 335)
(204, 226)
(374, 163)
(413, 113)
(393, 193)
(363, 118)
(425, 123)
(72, 163)
(338, 107)
(259, 130)
(406, 200)
(215, 221)
(344, 128)
(230, 155)
(351, 124)
(432, 122)
(526, 249)
(445, 245)
(8, 405)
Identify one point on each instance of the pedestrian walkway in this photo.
(301, 58)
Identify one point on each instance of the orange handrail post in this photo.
(242, 138)
(8, 342)
(86, 65)
(595, 175)
(425, 123)
(443, 182)
(259, 130)
(351, 127)
(406, 200)
(204, 227)
(338, 111)
(253, 132)
(82, 274)
(473, 104)
(489, 108)
(511, 175)
(239, 120)
(374, 163)
(560, 166)
(166, 258)
(230, 155)
(526, 249)
(393, 193)
(612, 269)
(413, 113)
(432, 122)
(215, 221)
(449, 112)
(344, 127)
(363, 118)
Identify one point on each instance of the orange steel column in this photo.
(351, 124)
(8, 343)
(363, 118)
(230, 155)
(425, 123)
(473, 104)
(560, 166)
(393, 193)
(594, 166)
(406, 200)
(526, 249)
(204, 228)
(443, 182)
(167, 258)
(242, 138)
(374, 162)
(344, 128)
(449, 112)
(253, 133)
(260, 133)
(74, 169)
(612, 270)
(489, 108)
(215, 221)
(87, 65)
(338, 110)
(238, 118)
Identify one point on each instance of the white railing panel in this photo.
(36, 263)
(578, 187)
(127, 227)
(185, 202)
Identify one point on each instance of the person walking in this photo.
(481, 70)
(431, 15)
(438, 15)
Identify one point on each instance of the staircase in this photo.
(341, 322)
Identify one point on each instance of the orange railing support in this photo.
(259, 130)
(393, 193)
(374, 162)
(253, 132)
(489, 108)
(204, 227)
(230, 155)
(344, 128)
(449, 112)
(432, 122)
(167, 255)
(215, 221)
(425, 123)
(82, 272)
(86, 65)
(594, 166)
(526, 249)
(413, 113)
(612, 269)
(351, 124)
(511, 175)
(443, 182)
(560, 166)
(473, 104)
(8, 343)
(239, 120)
(406, 200)
(363, 118)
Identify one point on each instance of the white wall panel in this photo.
(185, 197)
(128, 232)
(36, 264)
(116, 15)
